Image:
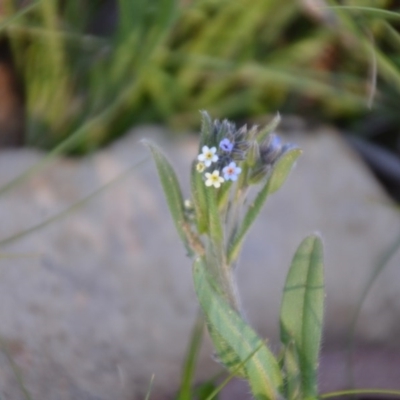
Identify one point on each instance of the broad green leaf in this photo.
(231, 375)
(262, 369)
(172, 191)
(282, 168)
(292, 369)
(199, 199)
(302, 311)
(226, 354)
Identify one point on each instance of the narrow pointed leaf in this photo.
(206, 129)
(282, 169)
(251, 215)
(302, 311)
(278, 176)
(262, 369)
(172, 191)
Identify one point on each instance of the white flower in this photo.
(200, 167)
(208, 155)
(214, 179)
(231, 171)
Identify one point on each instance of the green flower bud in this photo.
(253, 154)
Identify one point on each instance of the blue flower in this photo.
(226, 145)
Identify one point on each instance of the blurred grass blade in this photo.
(15, 369)
(375, 12)
(387, 69)
(302, 311)
(189, 368)
(381, 265)
(94, 123)
(172, 192)
(72, 208)
(150, 388)
(19, 14)
(262, 369)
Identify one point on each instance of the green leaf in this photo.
(226, 354)
(192, 353)
(206, 129)
(374, 11)
(199, 199)
(172, 191)
(251, 215)
(278, 176)
(302, 311)
(206, 390)
(292, 368)
(282, 168)
(19, 14)
(262, 369)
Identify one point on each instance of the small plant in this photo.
(213, 225)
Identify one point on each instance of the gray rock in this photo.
(97, 302)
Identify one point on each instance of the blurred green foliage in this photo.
(164, 60)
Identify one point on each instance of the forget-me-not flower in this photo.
(226, 145)
(200, 167)
(231, 171)
(214, 179)
(208, 155)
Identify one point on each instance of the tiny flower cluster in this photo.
(223, 164)
(224, 147)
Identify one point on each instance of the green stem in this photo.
(222, 274)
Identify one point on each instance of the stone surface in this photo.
(98, 301)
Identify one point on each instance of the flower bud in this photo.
(253, 154)
(271, 149)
